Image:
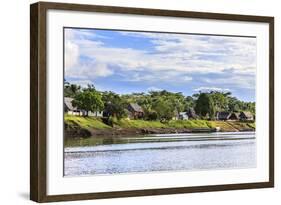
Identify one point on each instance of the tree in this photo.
(164, 109)
(220, 100)
(114, 105)
(88, 101)
(205, 105)
(70, 90)
(189, 103)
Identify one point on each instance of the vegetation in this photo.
(97, 123)
(88, 100)
(85, 122)
(125, 123)
(157, 105)
(205, 106)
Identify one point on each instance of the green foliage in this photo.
(89, 100)
(157, 105)
(114, 105)
(220, 100)
(189, 103)
(164, 109)
(70, 90)
(205, 106)
(152, 115)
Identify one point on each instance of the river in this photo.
(165, 152)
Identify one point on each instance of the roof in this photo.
(236, 114)
(223, 115)
(68, 104)
(247, 114)
(136, 107)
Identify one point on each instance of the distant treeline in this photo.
(157, 105)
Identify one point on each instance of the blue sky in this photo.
(126, 62)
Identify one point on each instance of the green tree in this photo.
(164, 109)
(114, 105)
(220, 100)
(205, 105)
(89, 101)
(70, 90)
(189, 103)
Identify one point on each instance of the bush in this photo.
(152, 115)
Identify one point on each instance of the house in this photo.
(246, 116)
(69, 108)
(234, 116)
(135, 111)
(72, 110)
(223, 115)
(183, 116)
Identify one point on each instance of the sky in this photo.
(127, 61)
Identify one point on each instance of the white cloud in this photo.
(175, 57)
(236, 81)
(82, 83)
(154, 89)
(208, 89)
(71, 54)
(76, 45)
(187, 78)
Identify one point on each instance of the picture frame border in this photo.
(38, 102)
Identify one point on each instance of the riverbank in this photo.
(83, 127)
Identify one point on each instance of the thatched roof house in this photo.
(245, 115)
(234, 116)
(135, 110)
(135, 107)
(223, 115)
(72, 110)
(69, 108)
(68, 104)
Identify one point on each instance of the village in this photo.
(89, 112)
(135, 111)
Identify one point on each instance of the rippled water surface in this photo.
(169, 152)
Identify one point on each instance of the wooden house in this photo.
(72, 110)
(234, 116)
(223, 115)
(246, 116)
(69, 108)
(135, 111)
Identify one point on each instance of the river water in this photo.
(165, 152)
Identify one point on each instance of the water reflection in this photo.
(160, 153)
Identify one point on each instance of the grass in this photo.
(224, 126)
(252, 125)
(85, 122)
(139, 124)
(96, 123)
(188, 124)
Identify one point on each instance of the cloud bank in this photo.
(197, 61)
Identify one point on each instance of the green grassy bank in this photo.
(97, 124)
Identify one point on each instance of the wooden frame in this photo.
(38, 95)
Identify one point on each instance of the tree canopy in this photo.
(157, 105)
(88, 100)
